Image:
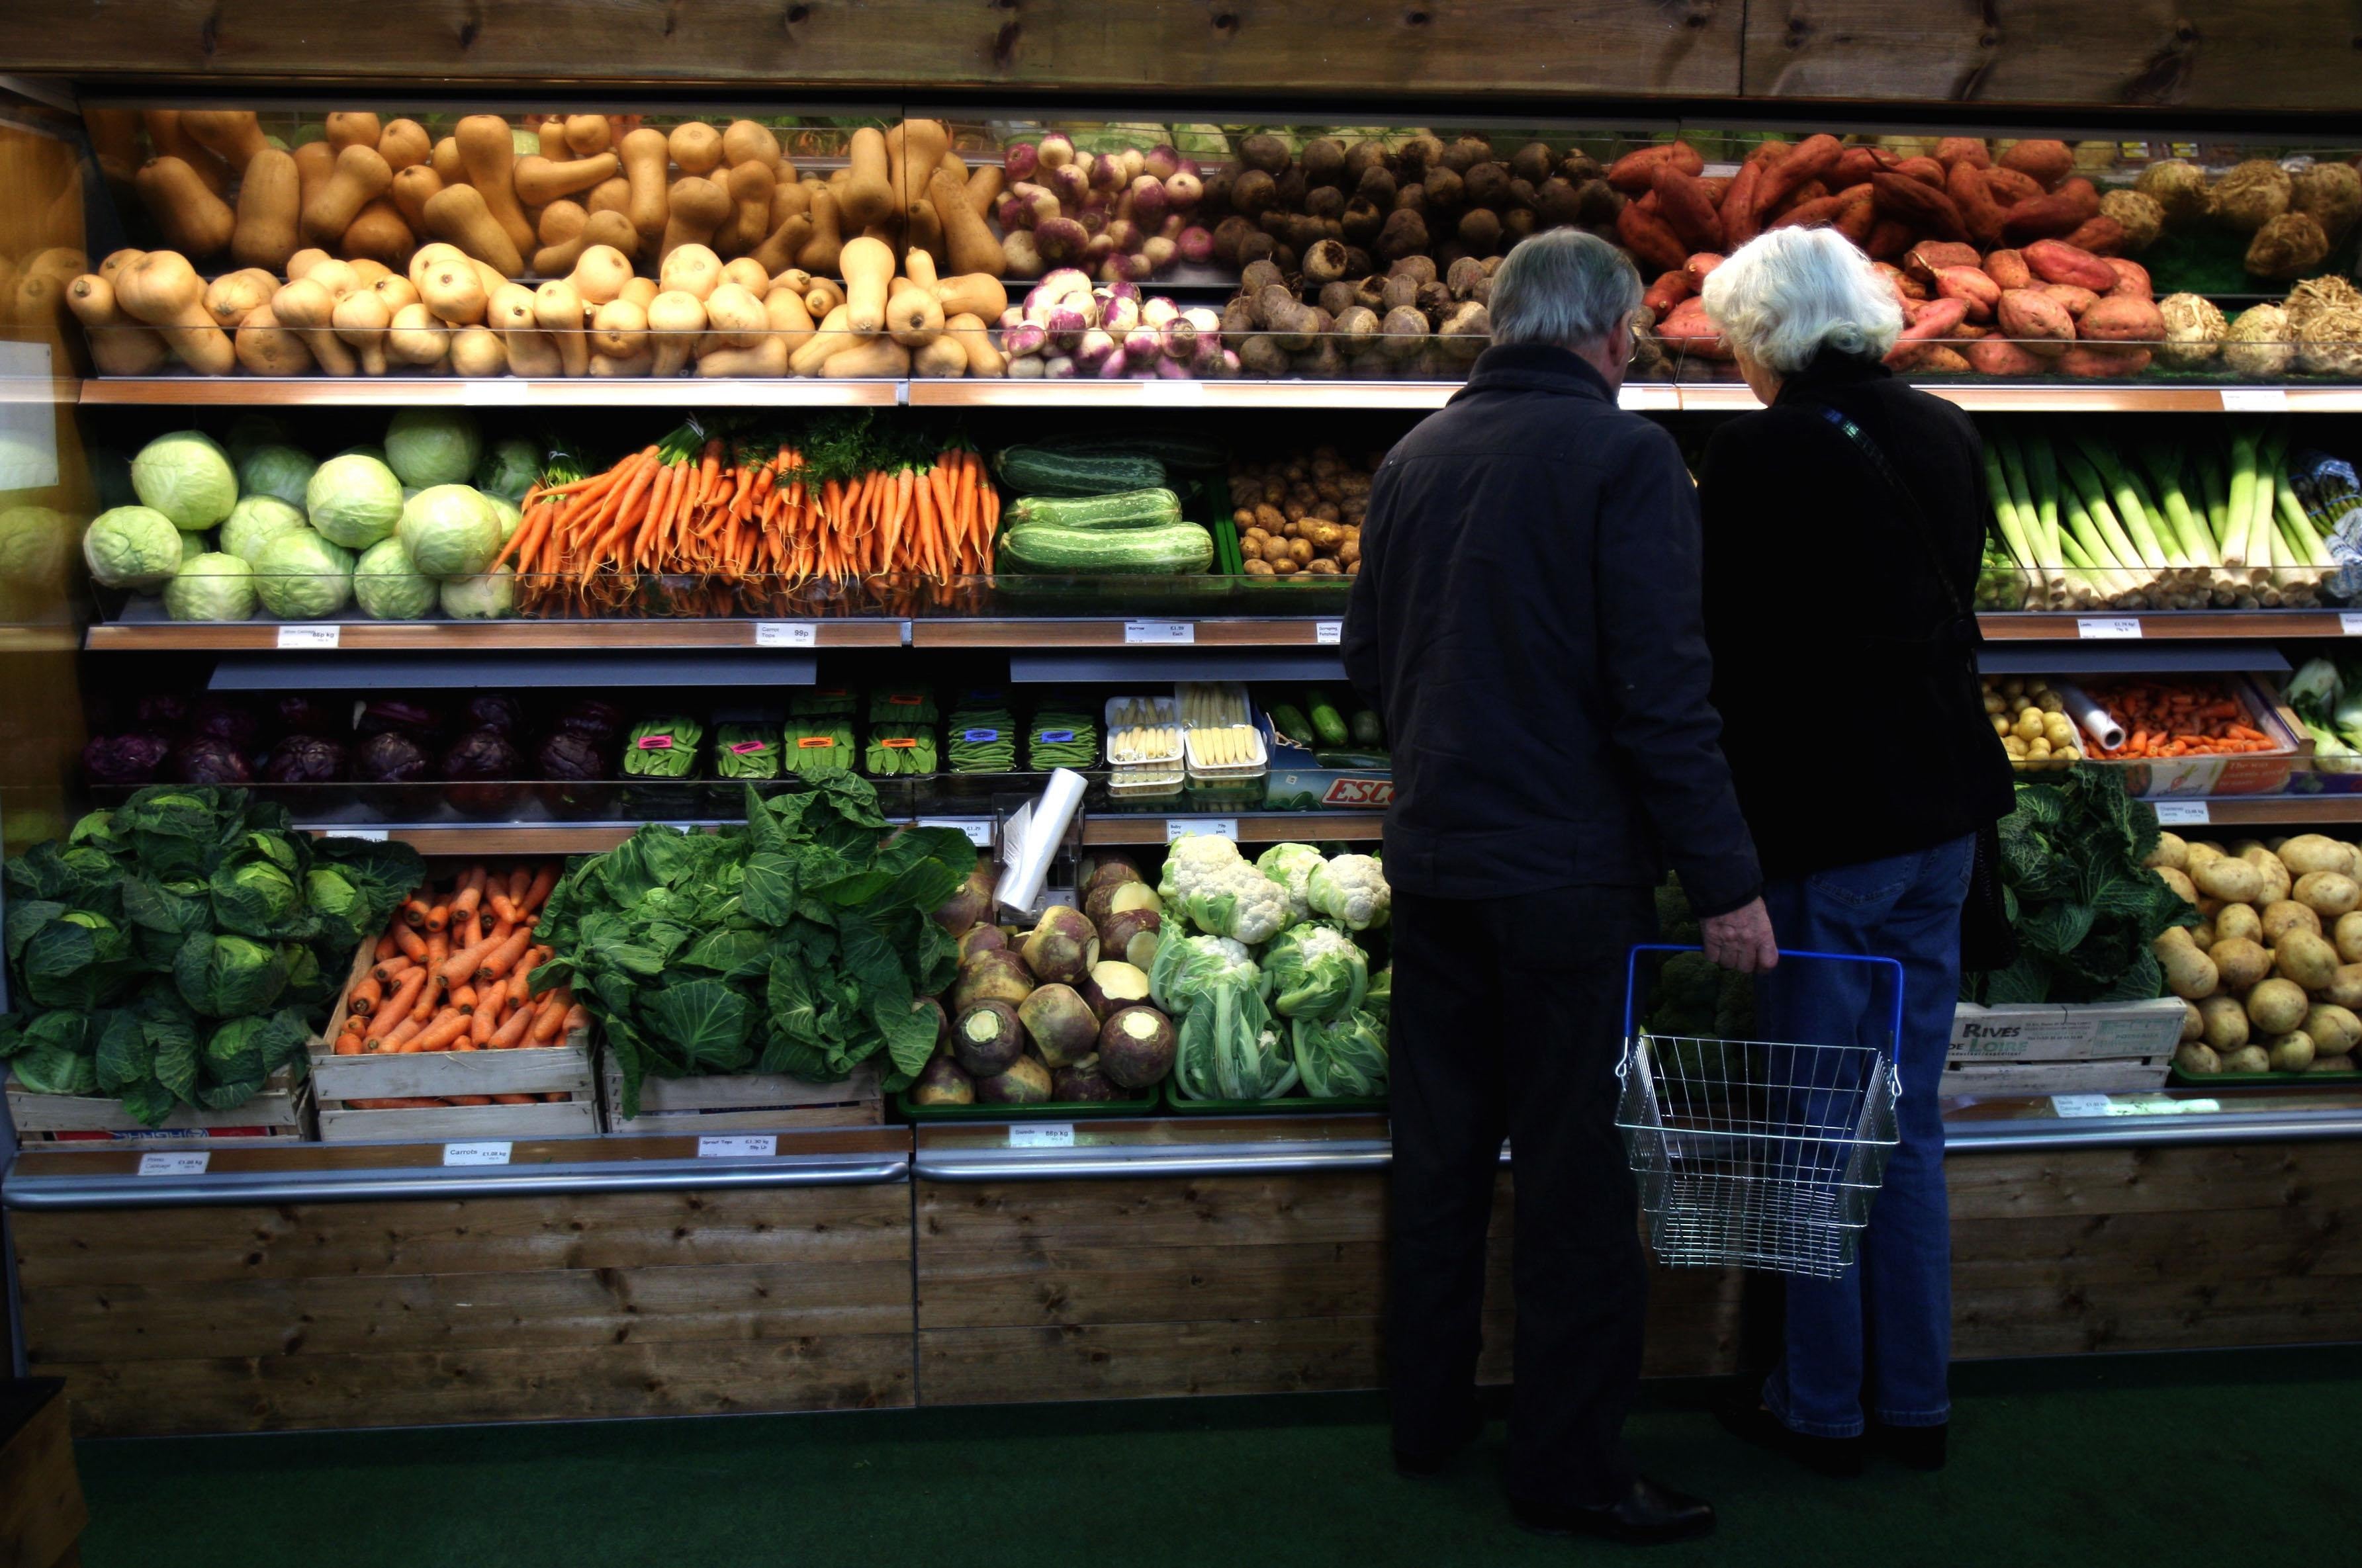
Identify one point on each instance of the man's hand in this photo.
(1741, 940)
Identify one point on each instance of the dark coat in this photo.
(1526, 619)
(1853, 736)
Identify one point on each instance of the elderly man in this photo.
(1527, 619)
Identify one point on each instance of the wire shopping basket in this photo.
(1755, 1153)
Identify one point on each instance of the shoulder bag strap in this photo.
(1861, 443)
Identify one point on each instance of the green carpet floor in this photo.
(2153, 1461)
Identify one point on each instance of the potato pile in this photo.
(1302, 514)
(2032, 723)
(2272, 974)
(1408, 323)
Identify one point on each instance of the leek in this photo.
(2164, 467)
(2116, 487)
(2005, 514)
(2086, 487)
(2242, 502)
(2043, 473)
(2305, 543)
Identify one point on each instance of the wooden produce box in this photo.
(2121, 1075)
(560, 1069)
(282, 1111)
(2100, 1048)
(745, 1101)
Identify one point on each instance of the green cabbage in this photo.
(210, 587)
(388, 587)
(254, 523)
(302, 576)
(450, 530)
(248, 432)
(225, 976)
(354, 501)
(33, 546)
(433, 447)
(486, 595)
(194, 545)
(505, 510)
(509, 468)
(187, 477)
(284, 472)
(132, 547)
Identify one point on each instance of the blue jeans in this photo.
(1882, 1332)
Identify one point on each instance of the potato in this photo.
(2306, 959)
(2178, 882)
(2277, 1006)
(2348, 936)
(2193, 1022)
(2226, 1023)
(2293, 1052)
(2308, 853)
(2335, 1030)
(2189, 973)
(2344, 987)
(2239, 963)
(2240, 921)
(2200, 853)
(2198, 1060)
(2247, 1058)
(2231, 880)
(2331, 1064)
(2208, 908)
(2327, 894)
(2268, 866)
(2204, 936)
(2171, 851)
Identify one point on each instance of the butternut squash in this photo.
(600, 274)
(644, 161)
(826, 339)
(609, 196)
(641, 291)
(821, 253)
(489, 156)
(116, 260)
(361, 319)
(429, 256)
(868, 195)
(586, 136)
(269, 205)
(459, 213)
(750, 141)
(359, 177)
(454, 291)
(955, 165)
(914, 150)
(417, 337)
(378, 234)
(491, 278)
(266, 347)
(115, 139)
(778, 253)
(914, 317)
(696, 207)
(692, 269)
(824, 295)
(448, 162)
(609, 366)
(314, 162)
(478, 353)
(619, 330)
(352, 127)
(191, 217)
(367, 271)
(923, 231)
(511, 313)
(766, 358)
(974, 294)
(794, 278)
(559, 222)
(231, 297)
(396, 290)
(413, 188)
(919, 270)
(162, 290)
(984, 188)
(879, 357)
(968, 245)
(339, 278)
(551, 133)
(119, 346)
(405, 144)
(234, 136)
(784, 315)
(735, 317)
(749, 188)
(539, 181)
(169, 138)
(695, 147)
(304, 261)
(601, 231)
(676, 318)
(310, 312)
(868, 268)
(557, 311)
(942, 356)
(976, 339)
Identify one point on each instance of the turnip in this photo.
(1019, 255)
(992, 975)
(1062, 1024)
(1055, 150)
(987, 1039)
(1149, 198)
(943, 1083)
(1039, 201)
(1085, 1082)
(1070, 327)
(1026, 367)
(1157, 253)
(1183, 192)
(1094, 217)
(1059, 367)
(1118, 312)
(1142, 344)
(980, 938)
(1124, 234)
(1112, 984)
(1027, 1082)
(1170, 369)
(1231, 365)
(1018, 159)
(1137, 268)
(1012, 211)
(1157, 310)
(1115, 367)
(1060, 238)
(1135, 1047)
(1107, 173)
(1092, 350)
(1066, 281)
(1132, 934)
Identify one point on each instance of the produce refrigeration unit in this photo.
(769, 1265)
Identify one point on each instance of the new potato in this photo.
(2328, 893)
(2277, 1006)
(2306, 958)
(2276, 877)
(2348, 935)
(2247, 1058)
(2226, 1023)
(2335, 1030)
(2241, 921)
(2171, 851)
(2179, 881)
(2239, 962)
(2231, 880)
(2292, 1052)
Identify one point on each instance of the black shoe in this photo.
(1426, 1465)
(1839, 1458)
(1917, 1448)
(1645, 1515)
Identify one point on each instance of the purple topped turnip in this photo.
(1163, 160)
(1135, 1047)
(1055, 150)
(1018, 159)
(1195, 245)
(1027, 1082)
(987, 1039)
(1085, 1082)
(943, 1083)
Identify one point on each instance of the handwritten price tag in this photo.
(1042, 1135)
(476, 1154)
(2183, 814)
(1177, 828)
(310, 637)
(174, 1164)
(977, 828)
(786, 635)
(742, 1146)
(1328, 633)
(1161, 633)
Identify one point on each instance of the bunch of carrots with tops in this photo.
(2196, 719)
(454, 973)
(846, 503)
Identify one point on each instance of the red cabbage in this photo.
(600, 721)
(206, 759)
(223, 719)
(574, 758)
(390, 757)
(304, 759)
(164, 711)
(300, 713)
(124, 758)
(494, 710)
(393, 715)
(484, 763)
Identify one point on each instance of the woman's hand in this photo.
(1741, 940)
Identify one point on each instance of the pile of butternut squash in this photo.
(587, 258)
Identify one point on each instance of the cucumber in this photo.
(1327, 722)
(1046, 548)
(1173, 451)
(1365, 728)
(1130, 509)
(1330, 757)
(1289, 720)
(1038, 471)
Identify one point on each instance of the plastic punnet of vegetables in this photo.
(1342, 1056)
(1227, 1047)
(1316, 972)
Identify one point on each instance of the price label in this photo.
(174, 1164)
(1328, 633)
(786, 635)
(487, 394)
(312, 637)
(2183, 814)
(1042, 1135)
(1177, 828)
(1160, 633)
(977, 828)
(2349, 624)
(2117, 628)
(740, 1145)
(366, 835)
(2075, 1106)
(2255, 399)
(476, 1154)
(1178, 392)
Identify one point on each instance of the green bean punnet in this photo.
(981, 740)
(1061, 738)
(662, 749)
(746, 751)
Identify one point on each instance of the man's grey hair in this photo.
(1784, 296)
(1562, 287)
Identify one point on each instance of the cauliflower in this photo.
(1350, 889)
(1239, 902)
(1193, 861)
(1291, 866)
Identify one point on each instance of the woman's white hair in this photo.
(1784, 296)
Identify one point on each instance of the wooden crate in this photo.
(562, 1068)
(745, 1102)
(71, 1122)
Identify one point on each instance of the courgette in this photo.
(1039, 471)
(1365, 728)
(1327, 722)
(1173, 451)
(1099, 551)
(1130, 509)
(1329, 757)
(1289, 720)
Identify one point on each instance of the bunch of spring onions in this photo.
(2165, 523)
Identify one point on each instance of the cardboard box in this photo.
(2053, 1032)
(2125, 1075)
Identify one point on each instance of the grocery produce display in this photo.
(181, 948)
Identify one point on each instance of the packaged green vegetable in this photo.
(662, 749)
(899, 753)
(981, 741)
(904, 708)
(817, 748)
(822, 702)
(746, 751)
(1061, 738)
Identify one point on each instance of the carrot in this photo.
(463, 998)
(461, 965)
(497, 963)
(392, 970)
(467, 1100)
(513, 1100)
(511, 1035)
(348, 1045)
(471, 893)
(438, 949)
(395, 1038)
(486, 1020)
(386, 948)
(405, 996)
(364, 997)
(447, 1026)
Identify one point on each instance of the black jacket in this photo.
(1526, 619)
(1853, 736)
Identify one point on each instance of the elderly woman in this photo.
(1843, 526)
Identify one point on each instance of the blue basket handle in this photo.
(1632, 979)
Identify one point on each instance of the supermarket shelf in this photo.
(1165, 634)
(486, 839)
(494, 636)
(2260, 811)
(2085, 397)
(2106, 626)
(1269, 828)
(27, 639)
(416, 391)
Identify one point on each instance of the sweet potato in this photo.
(1964, 149)
(2008, 269)
(2062, 211)
(1999, 356)
(1925, 170)
(1901, 197)
(1929, 359)
(1686, 207)
(1897, 282)
(1697, 268)
(1649, 238)
(1928, 257)
(1978, 212)
(2055, 261)
(2120, 320)
(2102, 236)
(2076, 297)
(2010, 186)
(1737, 209)
(1810, 159)
(1691, 331)
(1805, 214)
(1854, 165)
(1670, 290)
(2132, 279)
(1934, 319)
(2041, 160)
(1889, 238)
(2102, 360)
(2039, 323)
(1635, 171)
(1970, 286)
(1857, 214)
